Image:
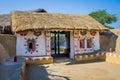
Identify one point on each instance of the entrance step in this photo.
(39, 60)
(61, 59)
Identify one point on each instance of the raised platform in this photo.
(84, 57)
(106, 56)
(39, 60)
(113, 57)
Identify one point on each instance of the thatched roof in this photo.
(22, 21)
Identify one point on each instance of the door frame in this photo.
(57, 52)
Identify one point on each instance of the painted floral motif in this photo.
(76, 39)
(92, 33)
(37, 33)
(76, 33)
(48, 47)
(31, 45)
(23, 33)
(86, 42)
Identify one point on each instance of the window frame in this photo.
(89, 43)
(82, 43)
(33, 45)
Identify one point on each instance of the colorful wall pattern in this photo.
(85, 41)
(31, 43)
(34, 45)
(48, 43)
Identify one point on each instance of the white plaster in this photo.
(102, 53)
(20, 48)
(88, 50)
(97, 41)
(91, 55)
(86, 56)
(97, 54)
(81, 56)
(115, 55)
(110, 54)
(71, 45)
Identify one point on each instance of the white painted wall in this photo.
(71, 45)
(86, 50)
(20, 48)
(97, 41)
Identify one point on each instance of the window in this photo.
(85, 43)
(89, 43)
(82, 43)
(31, 45)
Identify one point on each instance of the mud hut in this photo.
(46, 34)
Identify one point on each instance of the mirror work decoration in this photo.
(23, 33)
(37, 33)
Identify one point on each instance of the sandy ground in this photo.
(67, 70)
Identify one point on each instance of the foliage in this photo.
(104, 18)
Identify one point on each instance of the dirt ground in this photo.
(67, 70)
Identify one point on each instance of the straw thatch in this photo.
(22, 21)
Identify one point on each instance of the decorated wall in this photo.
(86, 41)
(72, 45)
(31, 43)
(35, 43)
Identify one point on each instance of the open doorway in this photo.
(60, 44)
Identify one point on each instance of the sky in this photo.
(64, 6)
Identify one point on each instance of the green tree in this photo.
(104, 17)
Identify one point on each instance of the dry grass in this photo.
(31, 20)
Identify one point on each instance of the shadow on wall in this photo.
(110, 40)
(9, 43)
